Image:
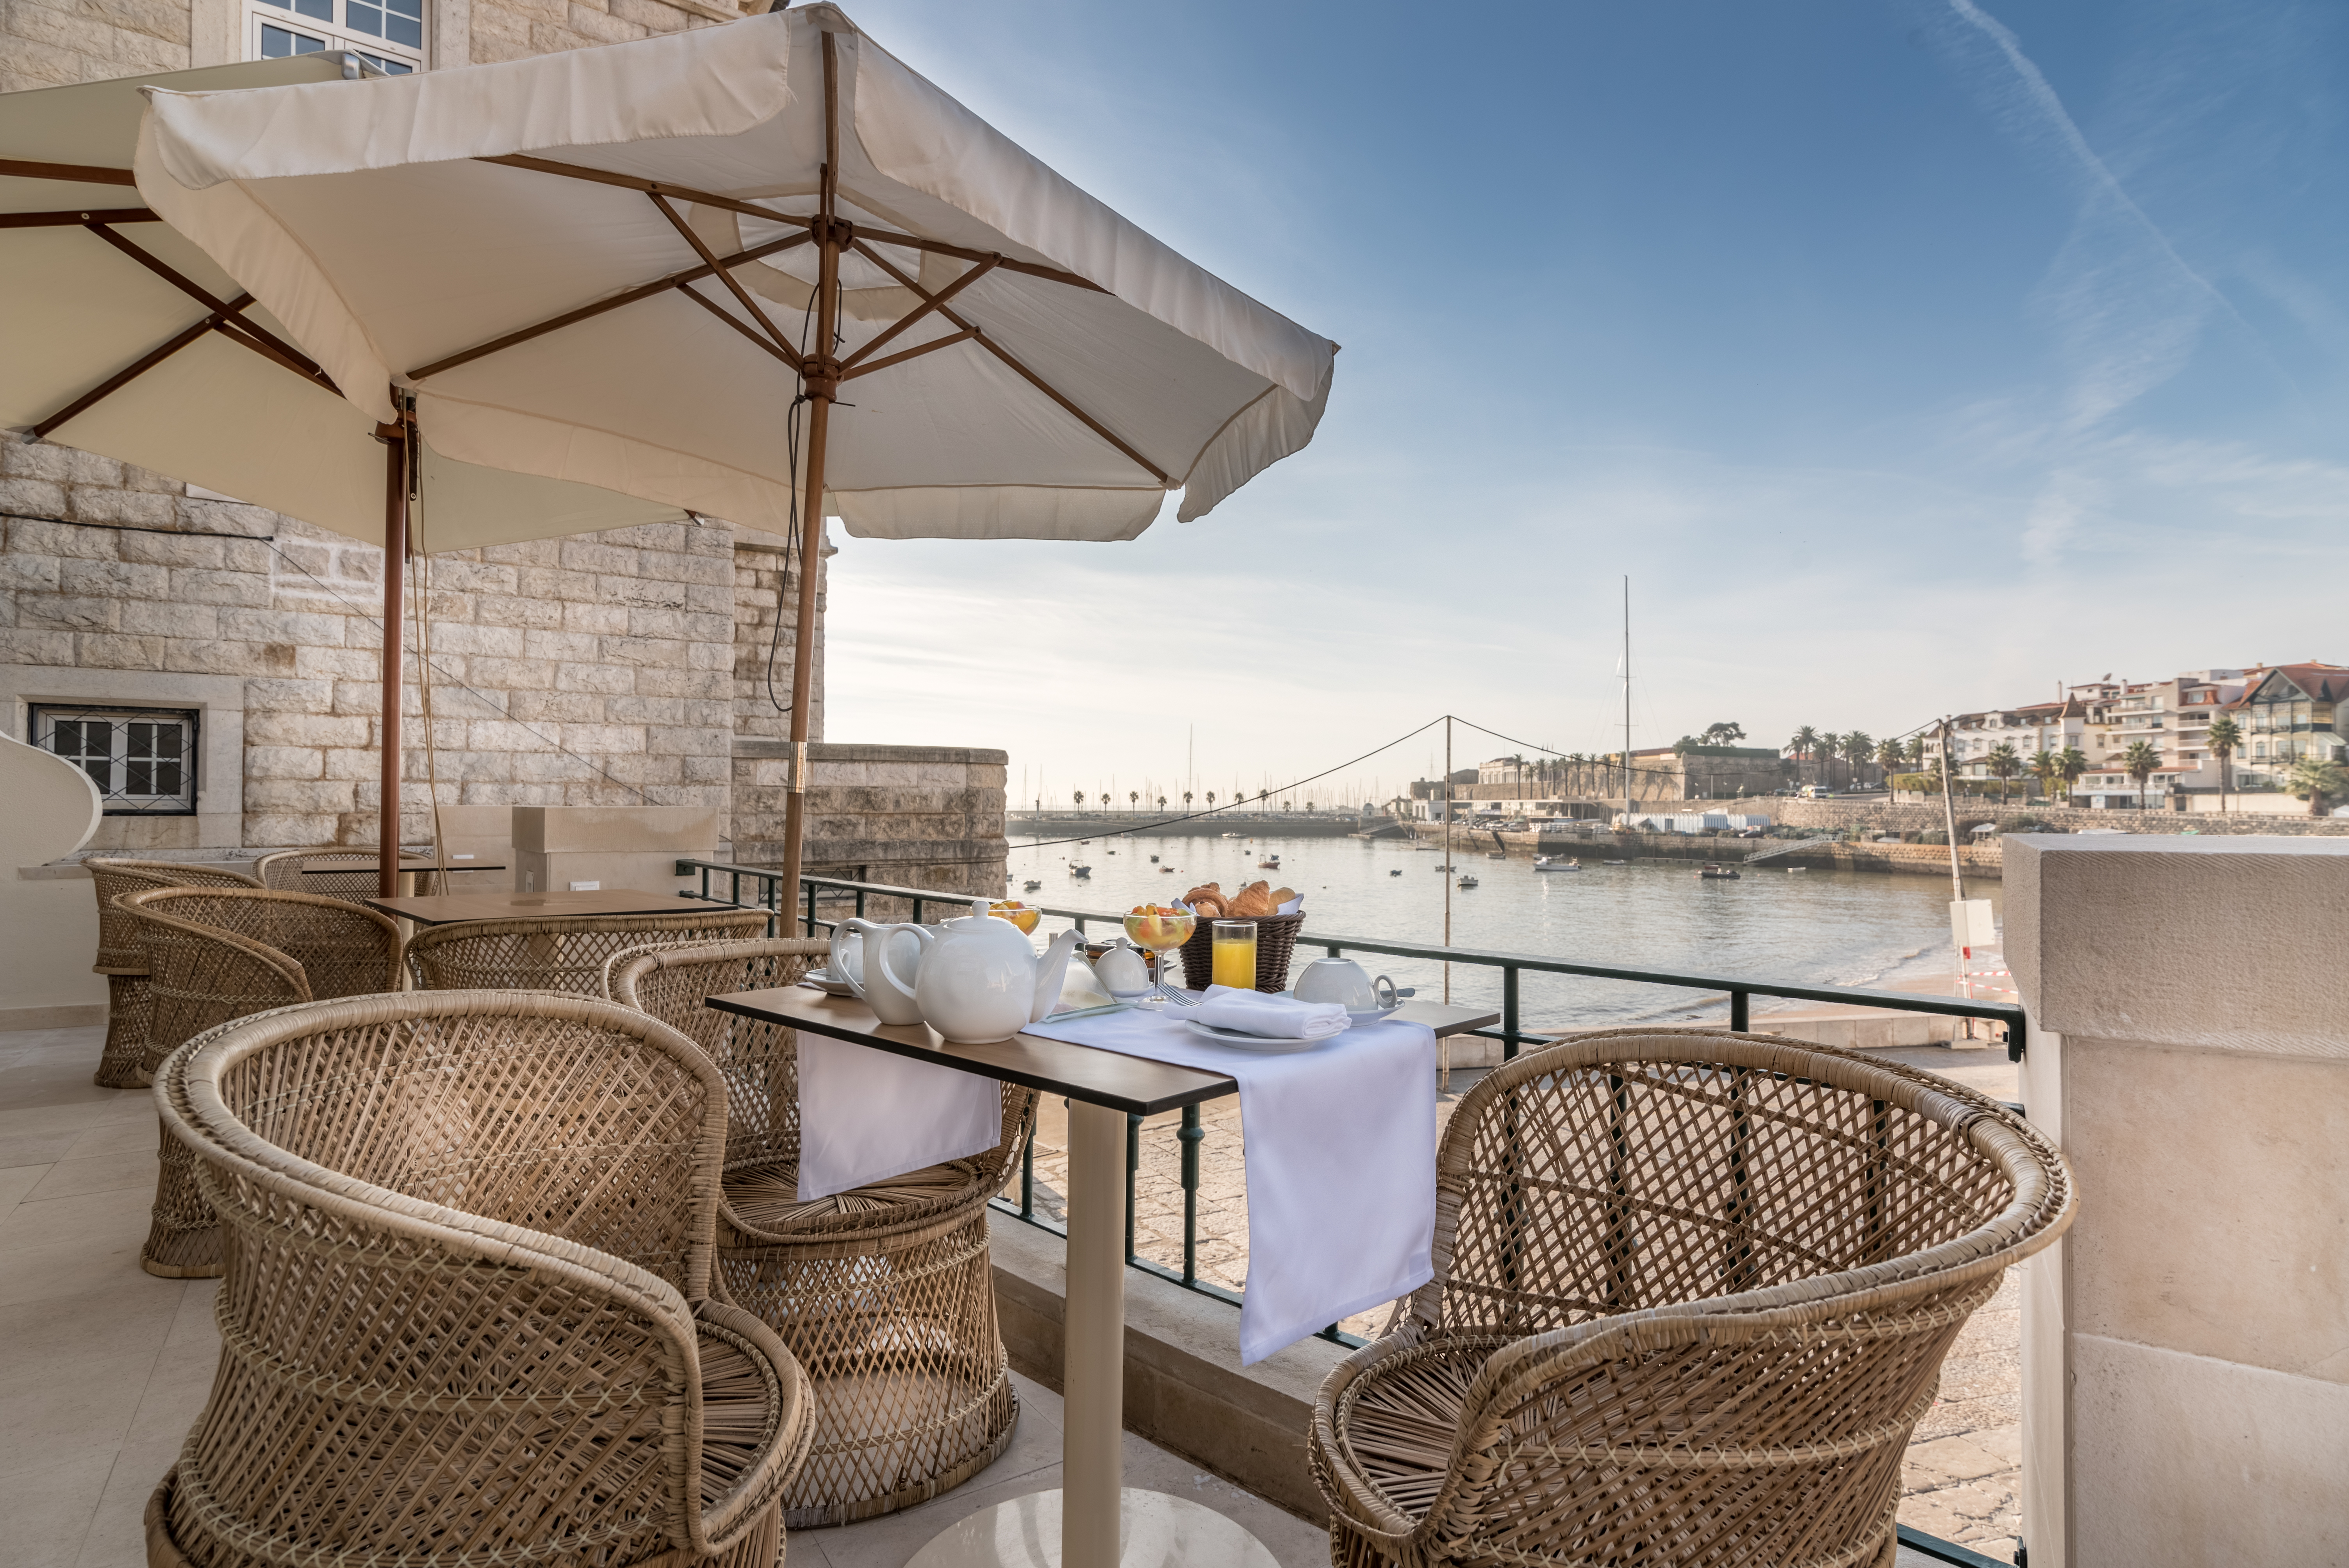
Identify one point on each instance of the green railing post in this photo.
(1191, 1135)
(1509, 1012)
(811, 905)
(1740, 1014)
(1028, 1178)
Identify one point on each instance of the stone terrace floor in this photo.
(103, 1368)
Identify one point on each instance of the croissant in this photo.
(1208, 901)
(1253, 900)
(1281, 896)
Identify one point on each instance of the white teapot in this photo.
(862, 957)
(980, 979)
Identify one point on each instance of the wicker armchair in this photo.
(351, 873)
(567, 952)
(467, 1319)
(885, 1293)
(221, 953)
(1692, 1294)
(121, 1061)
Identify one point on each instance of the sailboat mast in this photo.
(1626, 700)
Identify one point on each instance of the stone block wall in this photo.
(766, 635)
(54, 43)
(918, 816)
(597, 671)
(514, 29)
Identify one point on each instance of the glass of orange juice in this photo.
(1234, 954)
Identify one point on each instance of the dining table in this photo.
(1083, 1523)
(444, 908)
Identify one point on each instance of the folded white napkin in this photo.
(1274, 1017)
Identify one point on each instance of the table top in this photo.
(442, 909)
(1130, 1083)
(456, 863)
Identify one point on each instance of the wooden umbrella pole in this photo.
(395, 563)
(820, 373)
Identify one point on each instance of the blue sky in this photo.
(1909, 357)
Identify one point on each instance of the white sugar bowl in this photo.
(1345, 982)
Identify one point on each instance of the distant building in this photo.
(2288, 711)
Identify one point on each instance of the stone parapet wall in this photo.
(1901, 817)
(55, 43)
(918, 816)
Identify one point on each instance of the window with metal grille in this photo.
(143, 760)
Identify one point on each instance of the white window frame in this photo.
(336, 37)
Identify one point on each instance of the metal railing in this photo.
(726, 882)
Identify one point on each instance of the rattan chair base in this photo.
(912, 1387)
(129, 1008)
(183, 1237)
(763, 1547)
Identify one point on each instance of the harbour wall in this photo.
(1979, 861)
(1899, 816)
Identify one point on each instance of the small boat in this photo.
(1615, 863)
(1153, 860)
(1031, 885)
(1466, 882)
(1271, 865)
(1168, 870)
(1552, 863)
(1080, 871)
(1112, 851)
(1797, 870)
(1712, 873)
(1394, 873)
(1496, 855)
(1231, 835)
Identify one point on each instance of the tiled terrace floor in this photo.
(103, 1368)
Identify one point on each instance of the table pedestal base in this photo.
(1156, 1532)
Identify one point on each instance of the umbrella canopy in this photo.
(127, 340)
(627, 266)
(402, 228)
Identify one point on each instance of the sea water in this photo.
(1808, 928)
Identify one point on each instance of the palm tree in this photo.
(1211, 800)
(1887, 756)
(2046, 768)
(2003, 761)
(2315, 780)
(2226, 737)
(1081, 798)
(2138, 762)
(1133, 799)
(1804, 745)
(1186, 800)
(2069, 764)
(1857, 747)
(1916, 751)
(1161, 803)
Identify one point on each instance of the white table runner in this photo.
(1340, 1157)
(866, 1116)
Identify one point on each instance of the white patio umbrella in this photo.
(122, 338)
(624, 266)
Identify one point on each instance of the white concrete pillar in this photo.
(2186, 1347)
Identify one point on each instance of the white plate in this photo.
(821, 980)
(1371, 1014)
(1255, 1041)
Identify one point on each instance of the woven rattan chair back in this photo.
(351, 873)
(886, 1292)
(469, 1251)
(1692, 1294)
(215, 954)
(122, 959)
(566, 953)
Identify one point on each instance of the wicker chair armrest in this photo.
(723, 1523)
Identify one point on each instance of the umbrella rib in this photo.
(628, 297)
(932, 346)
(72, 220)
(132, 372)
(751, 210)
(934, 302)
(267, 343)
(74, 173)
(1000, 352)
(733, 285)
(718, 311)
